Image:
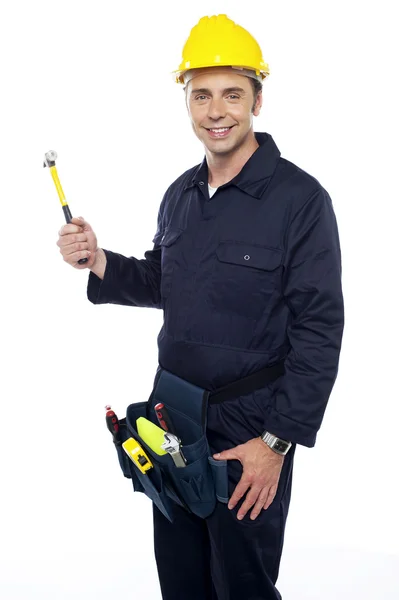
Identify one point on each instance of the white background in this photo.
(92, 81)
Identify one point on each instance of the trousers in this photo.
(220, 557)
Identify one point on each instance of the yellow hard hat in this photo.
(217, 42)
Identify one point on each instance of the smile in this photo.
(219, 132)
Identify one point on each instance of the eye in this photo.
(233, 96)
(200, 97)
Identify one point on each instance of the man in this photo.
(246, 266)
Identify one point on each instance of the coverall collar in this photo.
(254, 176)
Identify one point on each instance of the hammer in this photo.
(49, 161)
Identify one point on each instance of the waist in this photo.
(212, 367)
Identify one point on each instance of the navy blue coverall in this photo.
(245, 279)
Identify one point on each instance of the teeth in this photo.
(220, 130)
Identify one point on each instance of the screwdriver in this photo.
(163, 417)
(112, 423)
(49, 161)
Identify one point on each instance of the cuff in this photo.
(96, 287)
(290, 430)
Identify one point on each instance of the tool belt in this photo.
(203, 481)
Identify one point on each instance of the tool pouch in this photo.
(203, 481)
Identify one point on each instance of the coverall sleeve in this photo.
(130, 281)
(313, 292)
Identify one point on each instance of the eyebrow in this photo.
(225, 91)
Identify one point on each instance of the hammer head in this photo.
(49, 158)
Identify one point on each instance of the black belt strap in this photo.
(247, 384)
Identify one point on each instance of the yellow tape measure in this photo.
(136, 453)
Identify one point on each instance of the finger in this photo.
(72, 259)
(259, 504)
(66, 240)
(241, 488)
(271, 496)
(72, 248)
(227, 455)
(250, 500)
(70, 228)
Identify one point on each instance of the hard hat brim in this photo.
(259, 74)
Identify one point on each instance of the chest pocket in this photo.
(168, 242)
(244, 278)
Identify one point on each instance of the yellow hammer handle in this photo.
(54, 174)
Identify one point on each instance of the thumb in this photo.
(78, 221)
(82, 223)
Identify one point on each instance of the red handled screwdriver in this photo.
(112, 422)
(163, 417)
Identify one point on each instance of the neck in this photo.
(224, 167)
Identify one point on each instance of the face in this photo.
(219, 104)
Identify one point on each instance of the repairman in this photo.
(246, 266)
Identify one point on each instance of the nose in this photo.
(217, 109)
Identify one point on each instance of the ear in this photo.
(258, 104)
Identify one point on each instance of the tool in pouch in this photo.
(172, 443)
(112, 422)
(163, 417)
(153, 436)
(49, 161)
(136, 453)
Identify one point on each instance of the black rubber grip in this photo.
(67, 213)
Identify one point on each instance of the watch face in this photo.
(280, 446)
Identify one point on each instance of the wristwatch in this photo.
(276, 444)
